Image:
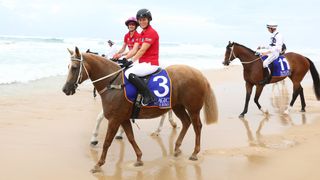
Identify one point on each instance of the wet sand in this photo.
(45, 135)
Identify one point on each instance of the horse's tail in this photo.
(315, 78)
(210, 106)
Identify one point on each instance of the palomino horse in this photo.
(190, 92)
(100, 117)
(253, 73)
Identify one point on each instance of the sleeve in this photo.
(149, 38)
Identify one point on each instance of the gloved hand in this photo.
(116, 56)
(126, 63)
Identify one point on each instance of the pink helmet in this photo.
(132, 19)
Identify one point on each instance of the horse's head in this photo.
(229, 54)
(76, 74)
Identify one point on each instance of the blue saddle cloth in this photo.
(279, 67)
(159, 84)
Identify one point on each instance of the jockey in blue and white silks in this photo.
(273, 50)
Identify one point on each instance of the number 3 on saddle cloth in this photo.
(159, 84)
(279, 67)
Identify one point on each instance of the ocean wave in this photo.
(24, 59)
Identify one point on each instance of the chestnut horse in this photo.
(253, 74)
(190, 92)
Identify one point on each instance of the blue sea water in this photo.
(23, 59)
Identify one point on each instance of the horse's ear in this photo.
(77, 52)
(229, 42)
(70, 51)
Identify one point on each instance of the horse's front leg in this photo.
(259, 89)
(94, 139)
(113, 127)
(248, 94)
(126, 125)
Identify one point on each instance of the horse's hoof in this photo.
(193, 158)
(96, 169)
(155, 134)
(177, 153)
(119, 137)
(302, 110)
(94, 143)
(241, 116)
(138, 163)
(174, 125)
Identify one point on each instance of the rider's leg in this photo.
(148, 97)
(266, 71)
(139, 70)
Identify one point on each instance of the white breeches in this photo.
(271, 57)
(141, 69)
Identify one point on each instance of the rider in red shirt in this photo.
(130, 38)
(147, 54)
(150, 37)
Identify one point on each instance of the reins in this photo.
(97, 80)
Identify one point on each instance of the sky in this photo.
(188, 21)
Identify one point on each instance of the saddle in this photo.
(279, 67)
(159, 84)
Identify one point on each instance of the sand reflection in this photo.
(165, 167)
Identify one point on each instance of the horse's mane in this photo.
(102, 59)
(245, 47)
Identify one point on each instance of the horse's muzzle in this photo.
(69, 89)
(226, 63)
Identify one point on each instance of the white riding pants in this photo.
(271, 57)
(141, 69)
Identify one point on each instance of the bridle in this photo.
(232, 54)
(82, 66)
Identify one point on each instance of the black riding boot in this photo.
(148, 97)
(266, 77)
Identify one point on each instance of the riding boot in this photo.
(266, 76)
(148, 97)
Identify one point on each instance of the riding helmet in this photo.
(144, 13)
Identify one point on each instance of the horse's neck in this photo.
(250, 62)
(245, 55)
(100, 67)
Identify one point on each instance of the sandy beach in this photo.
(45, 134)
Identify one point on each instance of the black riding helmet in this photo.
(144, 13)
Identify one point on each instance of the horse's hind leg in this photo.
(157, 132)
(185, 119)
(303, 102)
(296, 91)
(163, 117)
(197, 125)
(173, 124)
(129, 132)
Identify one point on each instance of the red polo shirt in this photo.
(151, 37)
(131, 40)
